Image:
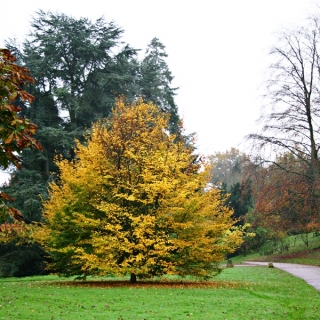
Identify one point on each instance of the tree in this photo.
(156, 81)
(134, 201)
(291, 118)
(240, 200)
(292, 90)
(73, 59)
(227, 167)
(283, 204)
(228, 174)
(16, 132)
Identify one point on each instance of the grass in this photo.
(237, 293)
(291, 249)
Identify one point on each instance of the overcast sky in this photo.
(218, 51)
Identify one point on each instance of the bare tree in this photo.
(291, 117)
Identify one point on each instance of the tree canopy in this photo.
(283, 203)
(135, 201)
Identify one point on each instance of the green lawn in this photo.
(237, 293)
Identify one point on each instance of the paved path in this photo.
(310, 274)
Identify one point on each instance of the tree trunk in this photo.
(133, 278)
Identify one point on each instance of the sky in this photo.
(217, 52)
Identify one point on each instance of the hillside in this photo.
(301, 249)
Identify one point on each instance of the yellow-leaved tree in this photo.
(136, 201)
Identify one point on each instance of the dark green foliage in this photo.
(21, 260)
(73, 59)
(155, 82)
(28, 188)
(240, 200)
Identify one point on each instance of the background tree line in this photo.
(280, 176)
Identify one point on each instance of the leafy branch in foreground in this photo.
(16, 132)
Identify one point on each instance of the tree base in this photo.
(133, 278)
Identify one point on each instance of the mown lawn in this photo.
(237, 293)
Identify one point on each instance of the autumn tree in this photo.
(16, 132)
(134, 202)
(283, 203)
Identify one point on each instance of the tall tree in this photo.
(74, 60)
(77, 77)
(292, 89)
(156, 81)
(134, 201)
(291, 117)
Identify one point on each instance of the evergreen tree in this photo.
(74, 60)
(156, 81)
(77, 77)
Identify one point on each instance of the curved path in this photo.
(310, 274)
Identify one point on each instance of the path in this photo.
(310, 274)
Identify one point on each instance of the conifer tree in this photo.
(155, 82)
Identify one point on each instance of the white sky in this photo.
(218, 51)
